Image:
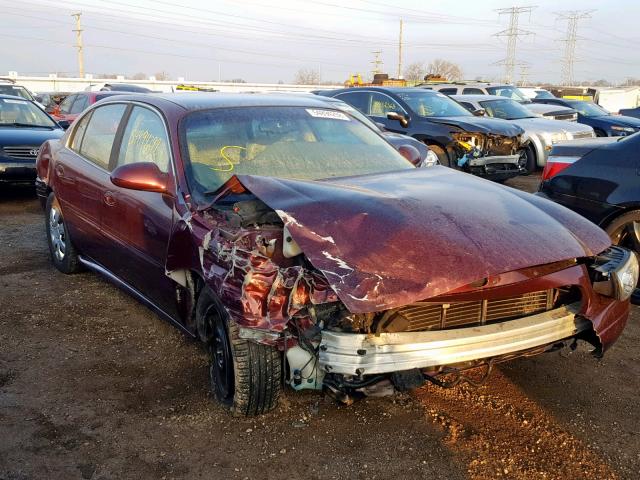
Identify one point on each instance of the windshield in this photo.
(510, 92)
(544, 94)
(429, 104)
(289, 142)
(16, 91)
(23, 113)
(589, 109)
(506, 109)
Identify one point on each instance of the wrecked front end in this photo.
(493, 156)
(285, 280)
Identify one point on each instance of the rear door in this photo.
(81, 176)
(139, 223)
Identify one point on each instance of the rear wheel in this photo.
(63, 253)
(625, 231)
(245, 376)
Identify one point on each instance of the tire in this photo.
(443, 156)
(64, 255)
(528, 160)
(622, 232)
(245, 376)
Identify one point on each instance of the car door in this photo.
(137, 223)
(81, 174)
(380, 105)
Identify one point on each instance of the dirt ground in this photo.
(95, 386)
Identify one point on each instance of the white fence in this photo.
(52, 83)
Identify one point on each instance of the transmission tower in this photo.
(524, 74)
(569, 58)
(512, 33)
(376, 62)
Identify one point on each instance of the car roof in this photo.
(203, 100)
(394, 90)
(14, 97)
(479, 98)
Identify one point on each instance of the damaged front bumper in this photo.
(496, 167)
(363, 354)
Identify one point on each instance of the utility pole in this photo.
(78, 31)
(400, 52)
(512, 33)
(569, 57)
(376, 62)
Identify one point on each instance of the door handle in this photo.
(109, 199)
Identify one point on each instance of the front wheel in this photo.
(527, 160)
(443, 156)
(63, 253)
(245, 376)
(625, 231)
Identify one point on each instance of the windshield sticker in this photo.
(331, 114)
(20, 102)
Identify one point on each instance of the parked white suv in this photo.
(503, 90)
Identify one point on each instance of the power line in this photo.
(569, 57)
(512, 33)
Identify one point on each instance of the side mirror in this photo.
(411, 153)
(399, 117)
(145, 176)
(64, 124)
(481, 112)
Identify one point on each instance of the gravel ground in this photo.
(93, 385)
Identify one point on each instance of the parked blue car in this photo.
(603, 122)
(630, 112)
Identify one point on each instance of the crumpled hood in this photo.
(484, 125)
(548, 125)
(391, 239)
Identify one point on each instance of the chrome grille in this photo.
(566, 117)
(22, 152)
(422, 316)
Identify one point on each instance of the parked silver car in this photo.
(554, 112)
(541, 132)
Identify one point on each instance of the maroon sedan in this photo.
(286, 234)
(69, 109)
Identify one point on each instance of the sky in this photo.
(270, 40)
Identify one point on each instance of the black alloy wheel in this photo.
(625, 232)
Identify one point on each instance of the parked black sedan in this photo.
(604, 123)
(24, 127)
(483, 146)
(599, 179)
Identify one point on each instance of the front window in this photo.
(506, 109)
(510, 92)
(21, 113)
(426, 104)
(289, 142)
(589, 109)
(16, 91)
(544, 94)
